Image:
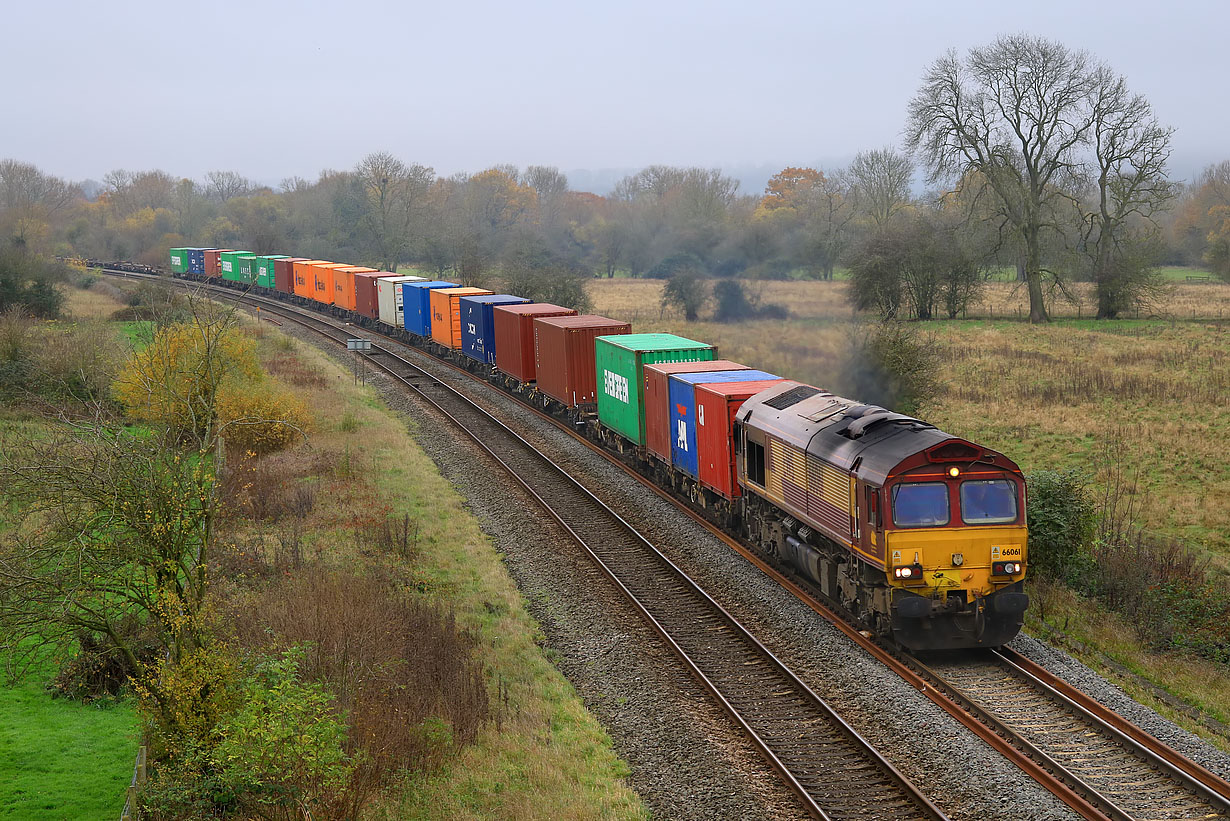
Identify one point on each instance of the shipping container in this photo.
(564, 355)
(284, 273)
(478, 324)
(305, 281)
(388, 299)
(247, 269)
(229, 264)
(343, 285)
(213, 261)
(658, 403)
(716, 406)
(366, 299)
(179, 260)
(416, 304)
(264, 269)
(514, 336)
(619, 363)
(683, 410)
(322, 281)
(446, 314)
(196, 260)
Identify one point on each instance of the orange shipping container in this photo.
(343, 285)
(305, 282)
(322, 280)
(446, 314)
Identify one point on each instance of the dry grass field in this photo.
(1155, 392)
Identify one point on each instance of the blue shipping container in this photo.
(683, 411)
(478, 324)
(196, 260)
(416, 304)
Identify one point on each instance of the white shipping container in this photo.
(388, 299)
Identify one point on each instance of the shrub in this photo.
(892, 365)
(260, 418)
(174, 381)
(98, 669)
(1061, 520)
(687, 292)
(735, 305)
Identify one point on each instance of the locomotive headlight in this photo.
(954, 471)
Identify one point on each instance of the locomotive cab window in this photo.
(920, 504)
(988, 502)
(753, 459)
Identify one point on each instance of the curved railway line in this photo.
(1093, 760)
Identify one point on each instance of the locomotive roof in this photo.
(841, 431)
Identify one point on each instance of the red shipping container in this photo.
(213, 263)
(564, 355)
(365, 301)
(514, 336)
(284, 274)
(343, 285)
(658, 398)
(716, 406)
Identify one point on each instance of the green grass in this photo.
(61, 759)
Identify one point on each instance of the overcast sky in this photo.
(278, 89)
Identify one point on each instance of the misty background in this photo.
(277, 90)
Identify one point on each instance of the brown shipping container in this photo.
(284, 274)
(322, 280)
(564, 355)
(716, 406)
(658, 398)
(213, 262)
(365, 301)
(514, 336)
(343, 285)
(304, 281)
(446, 314)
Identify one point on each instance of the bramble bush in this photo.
(1062, 519)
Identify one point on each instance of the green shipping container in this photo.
(228, 261)
(179, 260)
(247, 269)
(619, 365)
(264, 269)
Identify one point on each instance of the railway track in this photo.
(1125, 772)
(1099, 764)
(835, 773)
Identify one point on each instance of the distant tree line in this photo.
(1039, 160)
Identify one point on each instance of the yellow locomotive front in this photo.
(956, 547)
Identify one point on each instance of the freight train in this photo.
(919, 535)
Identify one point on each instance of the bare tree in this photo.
(1130, 152)
(226, 185)
(394, 198)
(1016, 112)
(880, 182)
(29, 197)
(551, 185)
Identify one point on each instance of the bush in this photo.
(686, 292)
(98, 669)
(1061, 519)
(260, 418)
(892, 365)
(734, 304)
(175, 380)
